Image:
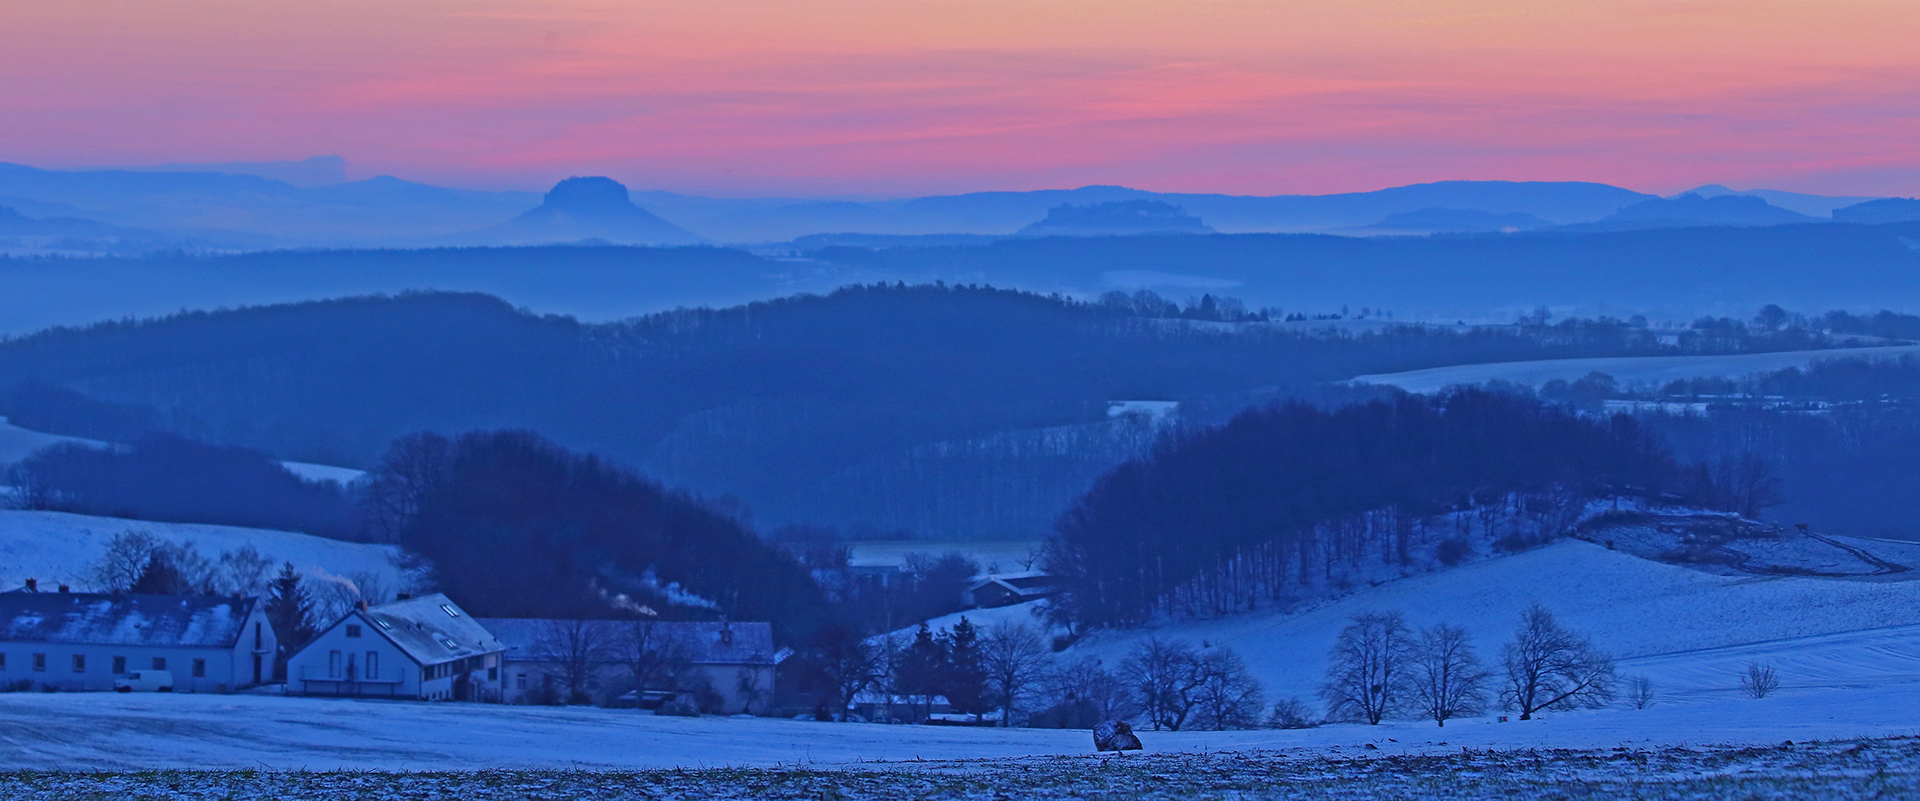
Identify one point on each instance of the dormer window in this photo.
(383, 623)
(451, 612)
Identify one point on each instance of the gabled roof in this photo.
(707, 642)
(85, 618)
(431, 629)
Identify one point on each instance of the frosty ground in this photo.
(1883, 768)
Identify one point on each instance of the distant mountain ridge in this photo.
(579, 209)
(1119, 217)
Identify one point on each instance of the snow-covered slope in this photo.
(1630, 606)
(17, 443)
(1627, 370)
(60, 548)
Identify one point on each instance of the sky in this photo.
(912, 97)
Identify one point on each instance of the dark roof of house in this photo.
(85, 618)
(707, 642)
(432, 629)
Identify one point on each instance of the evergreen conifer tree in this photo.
(290, 614)
(965, 683)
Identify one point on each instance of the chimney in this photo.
(33, 585)
(360, 605)
(63, 588)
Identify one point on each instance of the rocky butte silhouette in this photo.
(585, 209)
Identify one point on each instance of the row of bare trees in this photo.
(1379, 668)
(642, 651)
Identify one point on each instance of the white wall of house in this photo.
(92, 667)
(742, 688)
(351, 657)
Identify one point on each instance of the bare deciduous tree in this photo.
(243, 571)
(1014, 657)
(1228, 697)
(1640, 692)
(1367, 668)
(1549, 667)
(1447, 677)
(125, 559)
(1090, 681)
(1162, 673)
(655, 658)
(1759, 680)
(1290, 713)
(576, 647)
(411, 466)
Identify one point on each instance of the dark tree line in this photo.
(516, 526)
(1228, 517)
(171, 479)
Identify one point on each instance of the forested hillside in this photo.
(947, 410)
(1289, 498)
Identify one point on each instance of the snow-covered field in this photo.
(1629, 371)
(101, 731)
(1632, 607)
(61, 548)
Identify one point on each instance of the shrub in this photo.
(1452, 550)
(1291, 713)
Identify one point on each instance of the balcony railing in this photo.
(395, 676)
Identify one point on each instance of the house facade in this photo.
(424, 648)
(727, 666)
(83, 641)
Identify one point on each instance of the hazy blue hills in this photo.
(1672, 273)
(311, 172)
(254, 205)
(577, 209)
(1808, 204)
(1117, 218)
(1437, 220)
(1003, 213)
(1691, 210)
(249, 211)
(1876, 212)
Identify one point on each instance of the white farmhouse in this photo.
(424, 648)
(83, 641)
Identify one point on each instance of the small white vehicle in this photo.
(146, 681)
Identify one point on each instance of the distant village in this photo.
(414, 648)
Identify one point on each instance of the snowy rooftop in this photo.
(432, 629)
(97, 619)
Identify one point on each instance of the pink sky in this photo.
(904, 97)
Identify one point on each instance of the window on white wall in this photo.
(333, 664)
(372, 665)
